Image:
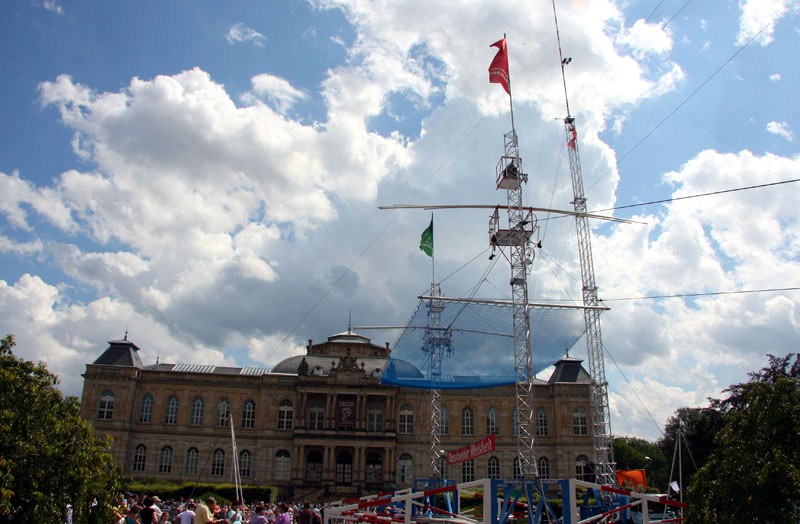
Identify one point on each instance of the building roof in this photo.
(570, 369)
(120, 353)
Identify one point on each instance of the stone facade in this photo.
(320, 423)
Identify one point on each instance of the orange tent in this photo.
(632, 478)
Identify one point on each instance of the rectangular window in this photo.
(375, 421)
(468, 471)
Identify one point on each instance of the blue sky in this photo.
(206, 176)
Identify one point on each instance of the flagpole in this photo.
(510, 98)
(433, 253)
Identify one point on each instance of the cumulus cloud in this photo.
(758, 19)
(276, 90)
(780, 129)
(241, 33)
(209, 222)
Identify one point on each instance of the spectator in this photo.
(187, 516)
(258, 517)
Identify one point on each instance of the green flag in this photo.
(426, 240)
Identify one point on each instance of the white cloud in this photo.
(53, 6)
(208, 221)
(758, 19)
(644, 38)
(781, 129)
(241, 33)
(276, 90)
(776, 77)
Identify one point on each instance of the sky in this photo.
(205, 177)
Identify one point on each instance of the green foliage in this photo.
(637, 453)
(698, 427)
(753, 471)
(50, 455)
(200, 491)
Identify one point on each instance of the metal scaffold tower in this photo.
(603, 452)
(438, 343)
(516, 238)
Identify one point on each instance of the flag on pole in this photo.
(498, 70)
(426, 240)
(674, 486)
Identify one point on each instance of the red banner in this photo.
(476, 449)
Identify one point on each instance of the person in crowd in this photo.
(156, 505)
(258, 517)
(308, 515)
(234, 515)
(205, 513)
(187, 516)
(283, 516)
(147, 515)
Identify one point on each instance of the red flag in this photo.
(498, 70)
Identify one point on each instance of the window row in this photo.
(343, 469)
(316, 416)
(406, 422)
(222, 414)
(191, 463)
(405, 469)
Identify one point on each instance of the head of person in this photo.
(283, 508)
(154, 500)
(191, 506)
(260, 509)
(211, 502)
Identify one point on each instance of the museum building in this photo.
(322, 424)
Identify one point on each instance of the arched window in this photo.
(444, 467)
(171, 413)
(245, 463)
(405, 469)
(192, 459)
(405, 421)
(140, 458)
(316, 415)
(467, 422)
(105, 408)
(444, 421)
(468, 471)
(223, 412)
(344, 468)
(374, 416)
(314, 466)
(583, 470)
(493, 468)
(541, 423)
(282, 465)
(515, 423)
(374, 468)
(579, 425)
(285, 414)
(218, 463)
(165, 460)
(197, 412)
(491, 422)
(544, 468)
(517, 469)
(146, 410)
(249, 415)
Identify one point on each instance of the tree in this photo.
(753, 472)
(49, 456)
(698, 427)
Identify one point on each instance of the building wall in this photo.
(330, 440)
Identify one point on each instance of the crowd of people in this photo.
(136, 509)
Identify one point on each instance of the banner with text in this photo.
(476, 449)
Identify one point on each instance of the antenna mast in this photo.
(603, 452)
